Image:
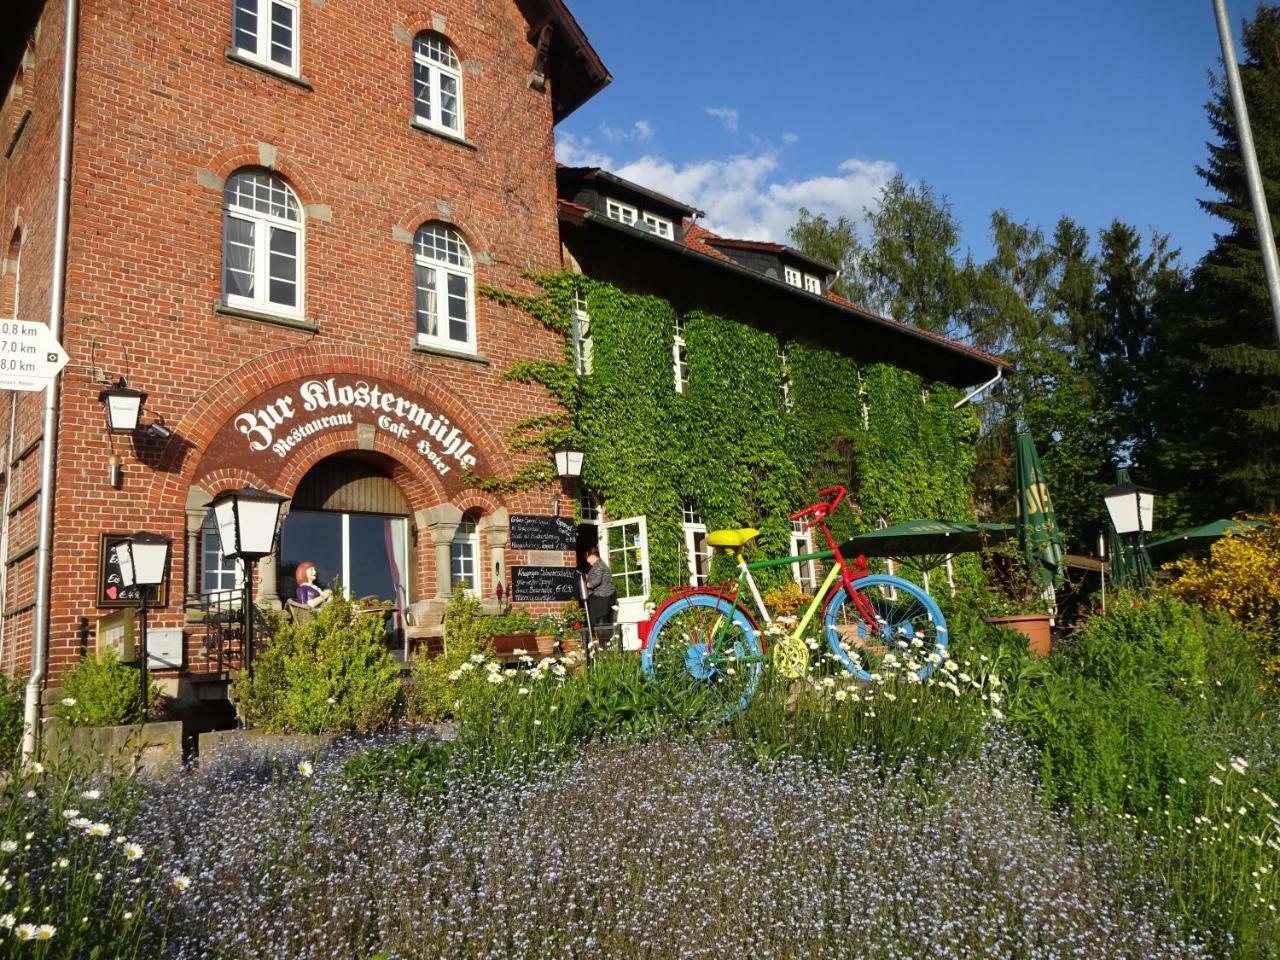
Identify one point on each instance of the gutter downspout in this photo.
(49, 434)
(982, 389)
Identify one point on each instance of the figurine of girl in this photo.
(309, 593)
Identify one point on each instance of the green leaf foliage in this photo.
(728, 446)
(333, 673)
(103, 692)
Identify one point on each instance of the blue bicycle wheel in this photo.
(895, 628)
(705, 644)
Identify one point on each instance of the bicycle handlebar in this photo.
(820, 511)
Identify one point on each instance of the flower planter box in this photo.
(1033, 626)
(505, 645)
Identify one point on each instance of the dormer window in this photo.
(812, 284)
(792, 276)
(660, 225)
(621, 212)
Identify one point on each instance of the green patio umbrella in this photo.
(1197, 538)
(1123, 558)
(1038, 533)
(927, 540)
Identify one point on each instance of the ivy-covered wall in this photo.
(729, 447)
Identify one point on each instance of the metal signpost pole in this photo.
(1261, 215)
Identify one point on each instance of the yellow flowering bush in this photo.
(1241, 577)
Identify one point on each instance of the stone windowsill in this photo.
(235, 56)
(417, 124)
(479, 358)
(293, 323)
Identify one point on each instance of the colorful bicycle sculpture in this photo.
(872, 622)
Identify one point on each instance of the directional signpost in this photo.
(30, 357)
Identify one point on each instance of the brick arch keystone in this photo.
(184, 452)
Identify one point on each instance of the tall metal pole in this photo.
(248, 615)
(49, 428)
(143, 656)
(1261, 215)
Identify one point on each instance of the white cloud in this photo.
(726, 115)
(641, 132)
(746, 195)
(575, 151)
(790, 137)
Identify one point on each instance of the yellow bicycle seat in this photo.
(732, 539)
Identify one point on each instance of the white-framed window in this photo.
(784, 375)
(864, 401)
(262, 243)
(463, 551)
(621, 212)
(216, 571)
(266, 31)
(679, 355)
(812, 283)
(791, 275)
(627, 545)
(659, 225)
(804, 572)
(443, 294)
(590, 510)
(580, 330)
(437, 84)
(697, 550)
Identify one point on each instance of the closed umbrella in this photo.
(1038, 533)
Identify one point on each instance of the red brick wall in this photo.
(161, 117)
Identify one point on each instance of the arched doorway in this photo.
(352, 520)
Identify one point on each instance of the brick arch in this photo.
(466, 218)
(420, 487)
(422, 23)
(179, 465)
(476, 500)
(230, 159)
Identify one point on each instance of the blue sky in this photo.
(749, 110)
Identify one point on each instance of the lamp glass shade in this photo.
(143, 560)
(124, 407)
(247, 521)
(1132, 508)
(568, 461)
(224, 515)
(150, 559)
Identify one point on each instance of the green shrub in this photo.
(11, 705)
(333, 673)
(437, 682)
(100, 691)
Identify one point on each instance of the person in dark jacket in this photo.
(602, 595)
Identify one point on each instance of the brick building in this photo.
(281, 216)
(281, 212)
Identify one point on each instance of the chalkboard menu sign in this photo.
(544, 583)
(532, 532)
(111, 591)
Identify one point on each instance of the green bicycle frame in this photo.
(744, 574)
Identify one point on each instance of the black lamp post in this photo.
(1132, 508)
(248, 522)
(144, 564)
(124, 406)
(569, 457)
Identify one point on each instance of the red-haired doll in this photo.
(309, 594)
